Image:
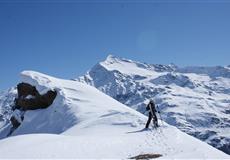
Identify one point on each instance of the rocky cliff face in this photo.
(194, 99)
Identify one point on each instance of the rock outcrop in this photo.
(30, 99)
(14, 122)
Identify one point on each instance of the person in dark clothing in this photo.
(152, 114)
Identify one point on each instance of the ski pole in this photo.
(159, 115)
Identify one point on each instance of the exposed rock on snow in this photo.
(25, 89)
(15, 122)
(30, 99)
(26, 98)
(146, 156)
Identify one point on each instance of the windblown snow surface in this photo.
(85, 123)
(194, 99)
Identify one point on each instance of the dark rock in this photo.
(14, 122)
(25, 89)
(225, 148)
(215, 141)
(146, 156)
(36, 101)
(1, 117)
(227, 111)
(29, 99)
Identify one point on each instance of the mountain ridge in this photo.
(195, 99)
(83, 122)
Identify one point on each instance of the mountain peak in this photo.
(112, 58)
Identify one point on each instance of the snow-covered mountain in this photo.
(6, 103)
(194, 99)
(83, 122)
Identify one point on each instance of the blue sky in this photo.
(67, 39)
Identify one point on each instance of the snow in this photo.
(116, 143)
(29, 97)
(85, 123)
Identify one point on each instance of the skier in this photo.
(152, 114)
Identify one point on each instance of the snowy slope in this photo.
(85, 123)
(194, 99)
